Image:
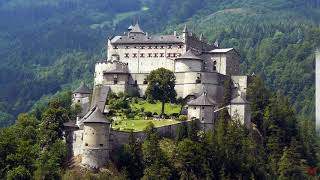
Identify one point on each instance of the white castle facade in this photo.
(200, 68)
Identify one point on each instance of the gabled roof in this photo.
(95, 116)
(154, 39)
(83, 89)
(202, 100)
(136, 29)
(188, 55)
(239, 100)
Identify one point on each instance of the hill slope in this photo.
(46, 46)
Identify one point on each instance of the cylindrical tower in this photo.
(188, 62)
(96, 146)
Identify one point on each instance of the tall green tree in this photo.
(161, 83)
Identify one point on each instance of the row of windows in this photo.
(142, 55)
(150, 47)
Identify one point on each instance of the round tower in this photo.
(188, 62)
(96, 145)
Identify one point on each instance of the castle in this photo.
(200, 68)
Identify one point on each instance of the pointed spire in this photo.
(185, 29)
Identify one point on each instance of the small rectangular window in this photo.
(180, 46)
(149, 54)
(127, 55)
(169, 55)
(115, 47)
(141, 55)
(170, 47)
(161, 54)
(155, 54)
(115, 81)
(161, 47)
(134, 55)
(86, 144)
(101, 145)
(142, 47)
(150, 47)
(127, 47)
(156, 47)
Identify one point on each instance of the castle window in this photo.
(214, 68)
(194, 108)
(142, 47)
(135, 83)
(115, 47)
(161, 54)
(149, 54)
(214, 62)
(127, 55)
(155, 54)
(178, 55)
(161, 47)
(101, 145)
(127, 47)
(149, 47)
(180, 46)
(156, 47)
(115, 76)
(115, 81)
(198, 78)
(86, 144)
(202, 107)
(134, 55)
(78, 101)
(145, 81)
(141, 55)
(174, 54)
(169, 54)
(170, 47)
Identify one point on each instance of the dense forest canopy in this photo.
(49, 46)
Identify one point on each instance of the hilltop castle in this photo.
(200, 68)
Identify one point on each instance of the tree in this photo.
(161, 86)
(227, 93)
(157, 166)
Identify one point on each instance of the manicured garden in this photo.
(134, 114)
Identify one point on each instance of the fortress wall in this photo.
(221, 63)
(233, 63)
(208, 62)
(77, 141)
(139, 61)
(122, 82)
(120, 138)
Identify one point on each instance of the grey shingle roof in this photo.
(83, 89)
(99, 96)
(188, 55)
(239, 100)
(95, 116)
(144, 39)
(202, 100)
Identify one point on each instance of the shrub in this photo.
(175, 115)
(183, 118)
(155, 113)
(148, 114)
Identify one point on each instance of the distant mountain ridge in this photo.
(46, 45)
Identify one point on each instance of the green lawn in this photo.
(139, 125)
(168, 108)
